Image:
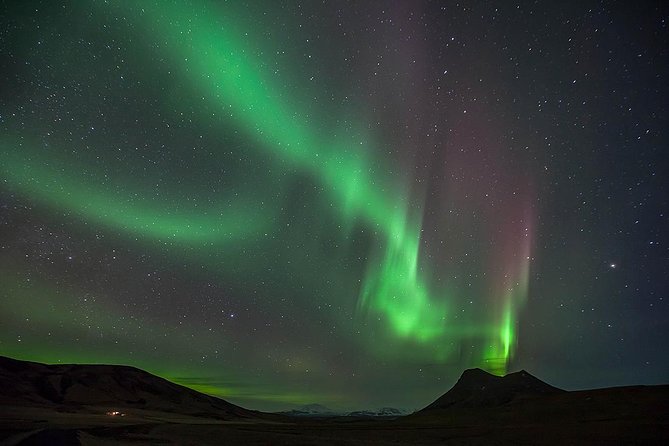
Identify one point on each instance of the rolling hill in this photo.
(72, 386)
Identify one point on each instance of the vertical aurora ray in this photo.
(392, 287)
(512, 297)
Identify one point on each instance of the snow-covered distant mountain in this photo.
(311, 410)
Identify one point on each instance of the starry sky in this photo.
(336, 202)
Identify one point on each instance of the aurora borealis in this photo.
(348, 203)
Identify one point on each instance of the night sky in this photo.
(337, 202)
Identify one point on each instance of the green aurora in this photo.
(392, 303)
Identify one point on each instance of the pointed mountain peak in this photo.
(521, 373)
(474, 373)
(478, 388)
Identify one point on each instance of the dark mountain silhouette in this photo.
(478, 388)
(79, 404)
(24, 383)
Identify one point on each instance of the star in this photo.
(206, 166)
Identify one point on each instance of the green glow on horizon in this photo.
(243, 394)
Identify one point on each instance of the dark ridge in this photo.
(24, 383)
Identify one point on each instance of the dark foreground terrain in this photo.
(76, 404)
